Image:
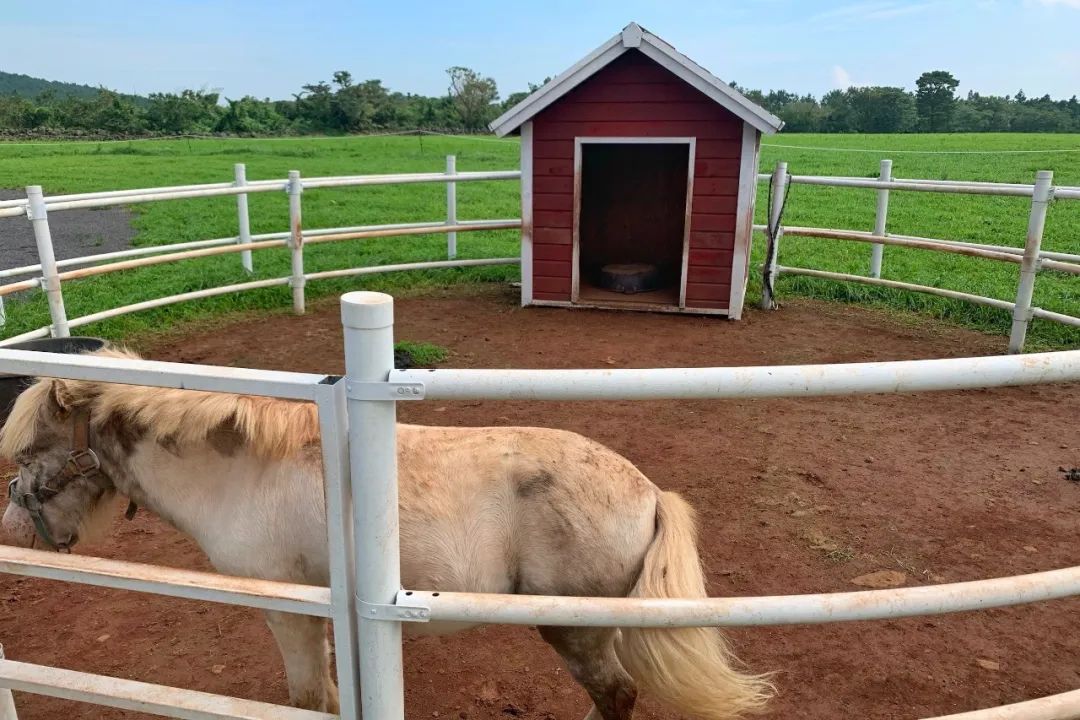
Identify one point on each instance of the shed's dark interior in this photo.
(633, 210)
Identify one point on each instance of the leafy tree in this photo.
(473, 97)
(347, 105)
(936, 99)
(343, 79)
(187, 112)
(250, 116)
(881, 109)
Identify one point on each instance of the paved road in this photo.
(74, 232)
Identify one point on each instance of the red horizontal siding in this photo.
(712, 240)
(707, 304)
(553, 296)
(712, 223)
(707, 291)
(716, 205)
(556, 130)
(718, 168)
(630, 69)
(705, 274)
(553, 201)
(552, 285)
(710, 258)
(672, 90)
(719, 149)
(715, 186)
(553, 167)
(634, 111)
(554, 219)
(564, 253)
(553, 150)
(634, 97)
(550, 184)
(552, 268)
(552, 235)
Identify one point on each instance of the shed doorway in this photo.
(631, 239)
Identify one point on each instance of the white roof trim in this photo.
(633, 36)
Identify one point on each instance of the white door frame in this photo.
(691, 143)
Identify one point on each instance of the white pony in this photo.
(491, 510)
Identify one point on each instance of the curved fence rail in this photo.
(50, 274)
(49, 278)
(357, 416)
(1031, 258)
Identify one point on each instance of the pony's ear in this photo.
(60, 396)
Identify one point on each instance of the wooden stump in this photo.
(629, 278)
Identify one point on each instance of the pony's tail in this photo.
(692, 670)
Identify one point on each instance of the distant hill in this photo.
(30, 87)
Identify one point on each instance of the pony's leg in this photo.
(306, 652)
(589, 654)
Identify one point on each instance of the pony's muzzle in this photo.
(18, 527)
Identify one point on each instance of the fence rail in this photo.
(358, 436)
(50, 278)
(1031, 259)
(359, 451)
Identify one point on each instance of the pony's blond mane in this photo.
(268, 427)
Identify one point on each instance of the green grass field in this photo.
(92, 166)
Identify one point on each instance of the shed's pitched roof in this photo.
(634, 37)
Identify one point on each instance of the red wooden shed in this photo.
(637, 157)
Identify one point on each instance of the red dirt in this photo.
(795, 496)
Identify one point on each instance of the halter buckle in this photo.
(81, 463)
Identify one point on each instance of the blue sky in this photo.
(270, 48)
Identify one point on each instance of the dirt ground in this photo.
(75, 233)
(795, 496)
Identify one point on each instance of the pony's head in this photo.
(60, 491)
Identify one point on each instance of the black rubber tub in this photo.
(12, 385)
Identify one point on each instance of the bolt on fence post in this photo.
(451, 207)
(880, 218)
(773, 232)
(50, 282)
(1029, 266)
(7, 701)
(296, 242)
(243, 219)
(368, 319)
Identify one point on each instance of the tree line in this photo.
(933, 107)
(343, 105)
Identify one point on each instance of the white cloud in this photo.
(1074, 4)
(841, 78)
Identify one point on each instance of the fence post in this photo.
(244, 220)
(1029, 267)
(334, 431)
(880, 218)
(368, 319)
(451, 207)
(50, 282)
(773, 232)
(7, 701)
(296, 242)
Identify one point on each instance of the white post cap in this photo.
(366, 310)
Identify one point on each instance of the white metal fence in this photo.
(357, 418)
(365, 599)
(1030, 259)
(52, 273)
(50, 278)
